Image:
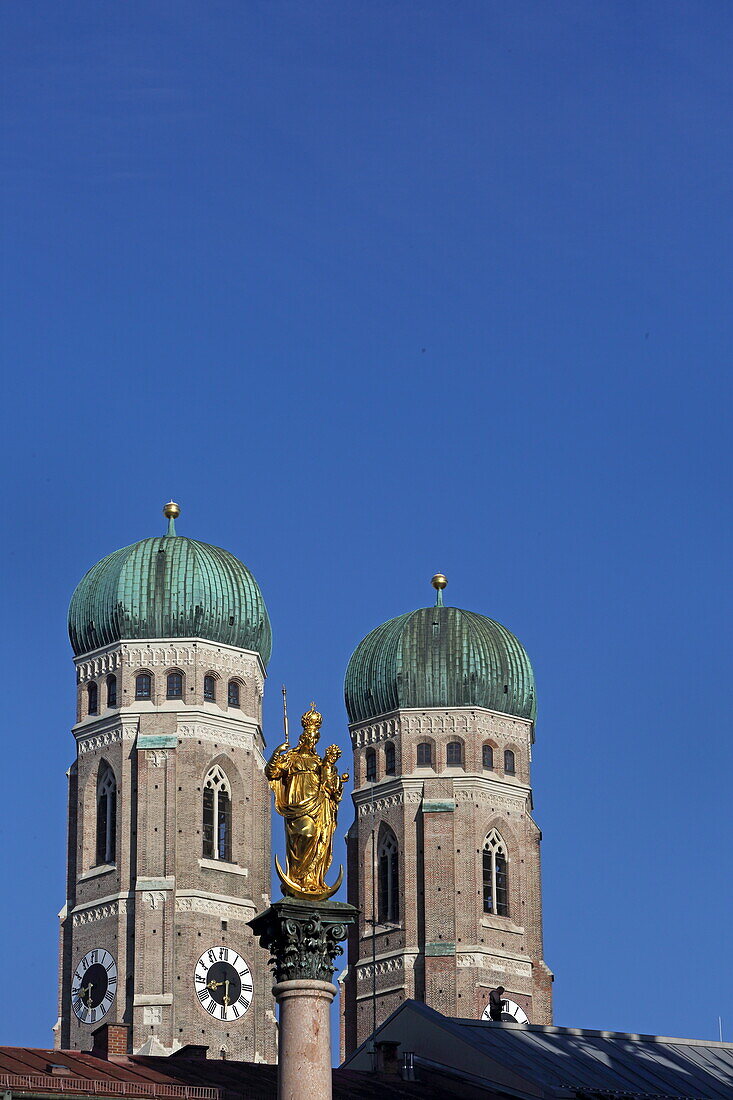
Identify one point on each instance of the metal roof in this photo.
(605, 1062)
(439, 657)
(169, 587)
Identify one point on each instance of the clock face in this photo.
(93, 986)
(512, 1013)
(223, 983)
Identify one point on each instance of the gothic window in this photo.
(217, 816)
(390, 766)
(495, 886)
(143, 686)
(509, 763)
(454, 753)
(424, 754)
(210, 689)
(233, 693)
(111, 691)
(487, 757)
(388, 880)
(371, 766)
(92, 698)
(106, 816)
(174, 685)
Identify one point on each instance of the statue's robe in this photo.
(299, 797)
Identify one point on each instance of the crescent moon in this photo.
(292, 888)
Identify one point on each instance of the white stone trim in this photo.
(103, 869)
(140, 1000)
(196, 901)
(168, 883)
(222, 865)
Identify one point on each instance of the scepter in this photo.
(285, 715)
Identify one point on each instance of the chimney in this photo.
(386, 1058)
(110, 1041)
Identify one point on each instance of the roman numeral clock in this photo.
(94, 986)
(223, 983)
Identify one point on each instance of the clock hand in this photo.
(213, 985)
(226, 995)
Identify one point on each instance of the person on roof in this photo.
(496, 1005)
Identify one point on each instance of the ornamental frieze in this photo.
(222, 909)
(218, 734)
(384, 966)
(98, 912)
(100, 740)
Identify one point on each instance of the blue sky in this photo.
(375, 290)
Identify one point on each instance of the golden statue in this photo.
(307, 790)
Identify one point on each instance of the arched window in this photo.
(111, 691)
(509, 762)
(233, 693)
(424, 754)
(454, 753)
(210, 688)
(92, 698)
(106, 815)
(217, 816)
(174, 685)
(495, 887)
(371, 766)
(390, 766)
(487, 757)
(143, 686)
(388, 880)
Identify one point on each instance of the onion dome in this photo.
(439, 657)
(169, 587)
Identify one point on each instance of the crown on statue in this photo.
(311, 720)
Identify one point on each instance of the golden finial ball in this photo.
(171, 510)
(439, 580)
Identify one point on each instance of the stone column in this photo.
(304, 938)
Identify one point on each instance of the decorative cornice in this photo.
(94, 741)
(161, 651)
(460, 721)
(99, 912)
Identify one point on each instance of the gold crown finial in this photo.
(311, 720)
(171, 510)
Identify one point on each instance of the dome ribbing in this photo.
(439, 657)
(169, 587)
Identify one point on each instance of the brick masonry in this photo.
(444, 950)
(160, 905)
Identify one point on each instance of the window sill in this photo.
(506, 924)
(382, 929)
(101, 869)
(223, 865)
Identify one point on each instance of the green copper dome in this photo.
(169, 587)
(439, 657)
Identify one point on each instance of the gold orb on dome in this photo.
(171, 510)
(439, 581)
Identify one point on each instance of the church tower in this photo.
(444, 854)
(169, 809)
